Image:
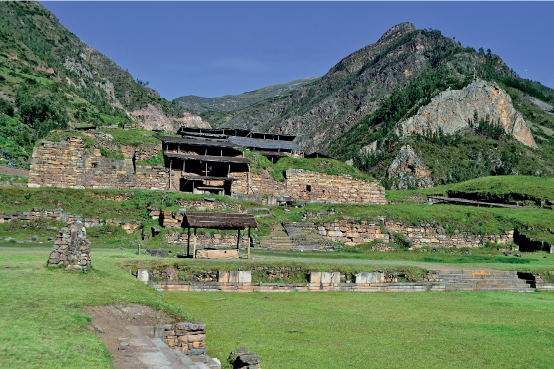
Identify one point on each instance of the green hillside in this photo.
(49, 79)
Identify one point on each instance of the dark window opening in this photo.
(309, 188)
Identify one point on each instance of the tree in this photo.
(42, 114)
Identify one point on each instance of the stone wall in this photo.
(71, 248)
(354, 232)
(306, 186)
(129, 225)
(68, 164)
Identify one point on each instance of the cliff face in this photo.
(453, 110)
(153, 118)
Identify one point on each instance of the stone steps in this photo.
(480, 280)
(490, 289)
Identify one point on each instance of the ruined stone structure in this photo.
(71, 165)
(71, 248)
(197, 165)
(353, 232)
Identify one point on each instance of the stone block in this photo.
(364, 278)
(144, 275)
(315, 277)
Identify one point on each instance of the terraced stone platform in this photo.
(484, 280)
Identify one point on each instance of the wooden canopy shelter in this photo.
(217, 220)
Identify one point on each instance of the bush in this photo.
(6, 108)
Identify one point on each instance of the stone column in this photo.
(71, 248)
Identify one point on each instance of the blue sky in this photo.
(213, 49)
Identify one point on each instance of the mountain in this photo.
(236, 102)
(50, 79)
(420, 88)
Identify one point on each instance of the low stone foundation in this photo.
(71, 248)
(354, 232)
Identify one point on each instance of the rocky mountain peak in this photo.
(398, 30)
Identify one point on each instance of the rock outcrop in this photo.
(407, 171)
(153, 118)
(452, 110)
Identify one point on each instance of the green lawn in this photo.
(44, 323)
(381, 330)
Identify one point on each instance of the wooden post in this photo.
(188, 242)
(238, 239)
(170, 163)
(248, 180)
(194, 244)
(248, 242)
(229, 170)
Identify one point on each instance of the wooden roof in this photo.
(234, 132)
(263, 144)
(218, 220)
(195, 141)
(220, 159)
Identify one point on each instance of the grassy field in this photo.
(44, 323)
(381, 330)
(495, 188)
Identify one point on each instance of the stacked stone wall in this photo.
(71, 165)
(306, 186)
(433, 235)
(353, 232)
(129, 225)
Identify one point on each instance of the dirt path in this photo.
(111, 324)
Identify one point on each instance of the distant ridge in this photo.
(235, 102)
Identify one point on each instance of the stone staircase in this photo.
(481, 280)
(148, 351)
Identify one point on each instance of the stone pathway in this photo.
(144, 352)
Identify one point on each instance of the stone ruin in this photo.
(71, 248)
(243, 359)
